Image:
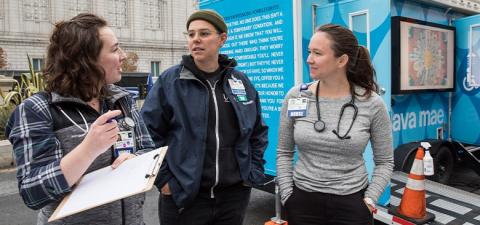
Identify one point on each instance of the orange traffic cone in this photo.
(413, 204)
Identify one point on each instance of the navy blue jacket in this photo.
(176, 114)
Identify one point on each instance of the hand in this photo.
(121, 158)
(166, 190)
(370, 205)
(102, 134)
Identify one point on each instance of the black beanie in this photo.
(210, 16)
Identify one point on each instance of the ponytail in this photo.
(360, 71)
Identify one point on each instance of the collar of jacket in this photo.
(186, 74)
(115, 92)
(189, 64)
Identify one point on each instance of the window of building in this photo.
(75, 7)
(38, 64)
(2, 8)
(155, 68)
(155, 13)
(473, 73)
(117, 13)
(359, 24)
(36, 10)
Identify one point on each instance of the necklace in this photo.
(94, 103)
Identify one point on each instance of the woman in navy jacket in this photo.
(209, 115)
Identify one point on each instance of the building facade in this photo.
(151, 29)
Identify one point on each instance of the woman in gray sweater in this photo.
(329, 122)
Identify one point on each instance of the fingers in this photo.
(106, 117)
(105, 124)
(103, 133)
(121, 158)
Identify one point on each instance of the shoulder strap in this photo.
(51, 108)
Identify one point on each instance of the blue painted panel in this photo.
(260, 38)
(379, 21)
(419, 116)
(409, 109)
(466, 101)
(414, 116)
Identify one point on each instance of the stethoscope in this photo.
(319, 125)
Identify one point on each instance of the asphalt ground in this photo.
(260, 209)
(14, 212)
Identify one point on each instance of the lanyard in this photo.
(85, 131)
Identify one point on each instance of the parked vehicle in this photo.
(430, 82)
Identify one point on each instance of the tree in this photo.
(3, 58)
(130, 63)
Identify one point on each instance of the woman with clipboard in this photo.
(82, 123)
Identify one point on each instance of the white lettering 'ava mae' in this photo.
(412, 120)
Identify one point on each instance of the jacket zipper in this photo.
(217, 138)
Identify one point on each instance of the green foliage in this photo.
(12, 93)
(5, 113)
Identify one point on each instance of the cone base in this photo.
(427, 218)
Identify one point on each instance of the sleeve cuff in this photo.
(62, 186)
(284, 195)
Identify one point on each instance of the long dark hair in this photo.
(72, 68)
(359, 67)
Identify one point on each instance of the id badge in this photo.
(237, 87)
(124, 144)
(297, 107)
(242, 98)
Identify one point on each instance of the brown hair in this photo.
(359, 68)
(72, 68)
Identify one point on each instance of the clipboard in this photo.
(102, 186)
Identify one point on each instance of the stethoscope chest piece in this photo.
(319, 126)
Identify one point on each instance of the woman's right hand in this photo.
(102, 134)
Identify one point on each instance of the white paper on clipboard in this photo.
(106, 185)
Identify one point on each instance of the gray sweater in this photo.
(327, 164)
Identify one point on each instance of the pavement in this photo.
(13, 212)
(465, 179)
(260, 209)
(6, 160)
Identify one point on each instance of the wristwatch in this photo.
(369, 202)
(127, 123)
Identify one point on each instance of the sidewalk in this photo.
(14, 211)
(6, 157)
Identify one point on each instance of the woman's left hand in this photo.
(370, 208)
(370, 205)
(121, 158)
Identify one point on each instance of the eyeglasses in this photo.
(202, 34)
